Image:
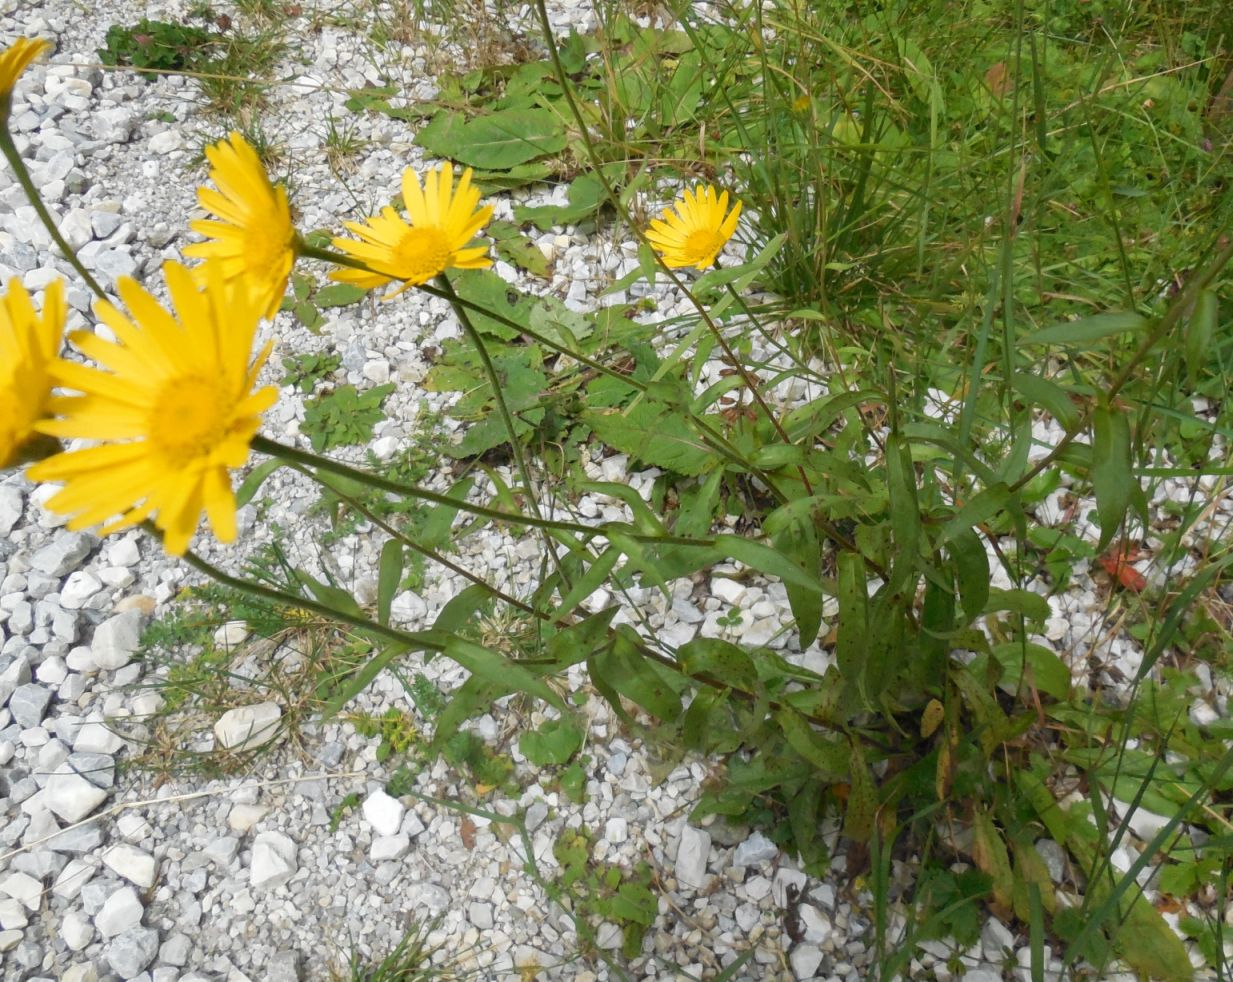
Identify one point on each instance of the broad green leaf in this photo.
(862, 807)
(497, 141)
(1200, 329)
(655, 435)
(719, 659)
(362, 679)
(1085, 330)
(831, 757)
(1045, 670)
(1112, 471)
(500, 671)
(1031, 605)
(623, 669)
(992, 858)
(460, 608)
(972, 572)
(338, 295)
(486, 289)
(586, 196)
(389, 574)
(1048, 395)
(512, 245)
(978, 510)
(551, 319)
(554, 743)
(765, 559)
(904, 509)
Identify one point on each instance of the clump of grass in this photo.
(416, 958)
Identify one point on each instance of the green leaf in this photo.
(1085, 330)
(830, 757)
(1030, 605)
(499, 671)
(514, 247)
(497, 141)
(338, 295)
(1048, 396)
(586, 196)
(256, 477)
(389, 573)
(486, 289)
(655, 434)
(765, 559)
(622, 668)
(360, 680)
(979, 509)
(1200, 329)
(1112, 472)
(972, 572)
(554, 743)
(719, 659)
(1045, 670)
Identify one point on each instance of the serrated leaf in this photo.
(654, 434)
(497, 141)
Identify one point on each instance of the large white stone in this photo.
(97, 738)
(231, 634)
(246, 727)
(121, 912)
(70, 795)
(11, 506)
(274, 860)
(115, 640)
(80, 586)
(76, 929)
(23, 888)
(383, 813)
(135, 865)
(691, 857)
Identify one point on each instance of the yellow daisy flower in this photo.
(442, 223)
(28, 346)
(694, 229)
(253, 237)
(14, 60)
(172, 406)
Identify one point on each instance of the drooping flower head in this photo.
(172, 409)
(14, 60)
(29, 344)
(695, 228)
(252, 238)
(442, 223)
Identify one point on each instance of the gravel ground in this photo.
(106, 873)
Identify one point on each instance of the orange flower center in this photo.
(421, 254)
(701, 247)
(189, 420)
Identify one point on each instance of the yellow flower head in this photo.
(442, 223)
(253, 238)
(28, 346)
(14, 60)
(172, 409)
(694, 229)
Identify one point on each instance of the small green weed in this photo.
(605, 892)
(344, 416)
(158, 45)
(413, 959)
(306, 371)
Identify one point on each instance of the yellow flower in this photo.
(172, 409)
(28, 346)
(442, 223)
(253, 239)
(694, 229)
(14, 60)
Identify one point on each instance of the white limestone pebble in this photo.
(23, 888)
(691, 857)
(131, 952)
(387, 847)
(247, 727)
(122, 911)
(115, 640)
(274, 860)
(383, 813)
(76, 929)
(71, 796)
(243, 816)
(231, 634)
(135, 865)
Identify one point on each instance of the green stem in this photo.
(9, 149)
(293, 455)
(507, 418)
(1182, 303)
(422, 640)
(411, 544)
